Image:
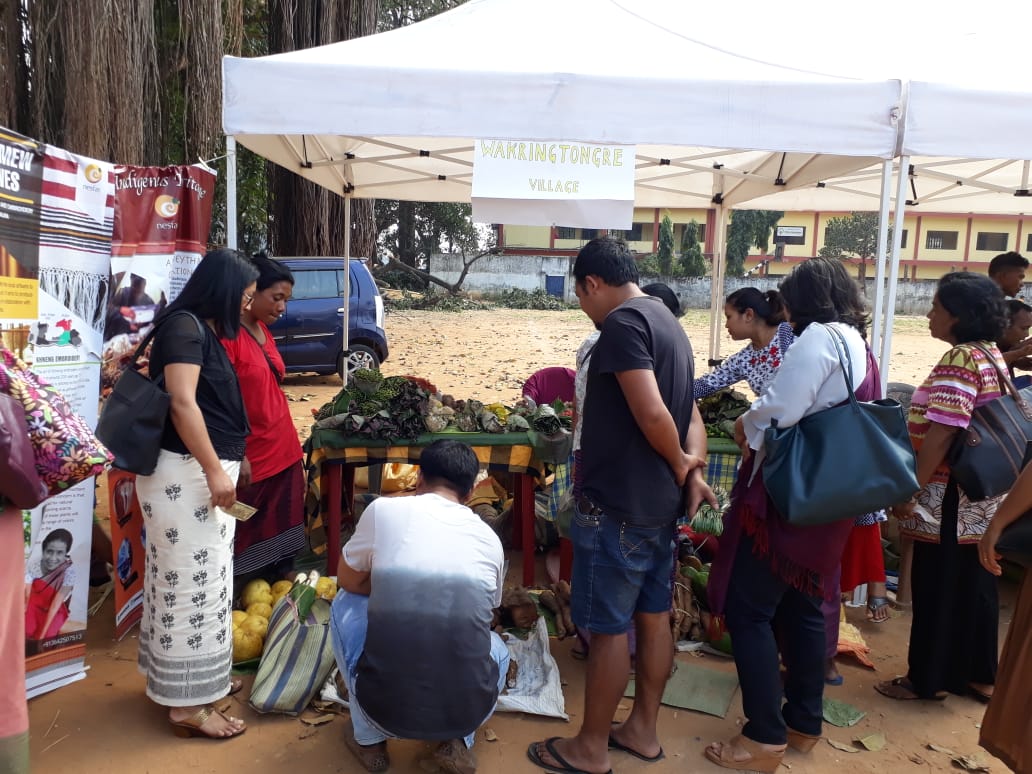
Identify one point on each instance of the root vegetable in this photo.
(563, 591)
(551, 603)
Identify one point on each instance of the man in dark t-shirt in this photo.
(643, 449)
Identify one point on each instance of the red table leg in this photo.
(332, 479)
(523, 527)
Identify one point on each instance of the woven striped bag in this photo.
(297, 659)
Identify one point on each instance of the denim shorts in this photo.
(619, 569)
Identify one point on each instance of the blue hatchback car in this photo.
(310, 335)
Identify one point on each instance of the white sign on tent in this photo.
(544, 183)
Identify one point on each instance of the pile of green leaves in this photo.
(394, 412)
(546, 418)
(515, 298)
(720, 410)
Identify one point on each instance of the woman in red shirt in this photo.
(276, 481)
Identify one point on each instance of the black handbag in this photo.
(1015, 543)
(133, 419)
(842, 462)
(986, 457)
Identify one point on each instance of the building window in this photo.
(941, 240)
(701, 232)
(1028, 243)
(633, 234)
(903, 244)
(587, 234)
(995, 241)
(565, 232)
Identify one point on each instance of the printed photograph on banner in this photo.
(57, 563)
(21, 175)
(127, 524)
(160, 235)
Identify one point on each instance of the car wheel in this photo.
(359, 356)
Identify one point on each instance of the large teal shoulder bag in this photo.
(840, 463)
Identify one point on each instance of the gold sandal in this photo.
(766, 761)
(191, 726)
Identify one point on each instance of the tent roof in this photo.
(395, 115)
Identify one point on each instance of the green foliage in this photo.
(396, 278)
(748, 228)
(431, 301)
(648, 266)
(693, 263)
(413, 231)
(666, 246)
(401, 13)
(852, 237)
(529, 299)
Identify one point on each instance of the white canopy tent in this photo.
(801, 133)
(395, 115)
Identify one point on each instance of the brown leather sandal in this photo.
(766, 761)
(192, 726)
(797, 740)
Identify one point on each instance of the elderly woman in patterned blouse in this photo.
(953, 636)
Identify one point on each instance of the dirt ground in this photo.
(105, 721)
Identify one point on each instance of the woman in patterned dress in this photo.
(953, 635)
(186, 644)
(760, 318)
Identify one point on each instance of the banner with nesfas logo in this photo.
(162, 219)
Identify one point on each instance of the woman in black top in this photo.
(186, 643)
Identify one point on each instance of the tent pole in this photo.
(231, 193)
(883, 245)
(717, 283)
(347, 274)
(897, 241)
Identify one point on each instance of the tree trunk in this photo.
(408, 249)
(309, 219)
(14, 75)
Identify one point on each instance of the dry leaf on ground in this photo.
(872, 742)
(842, 746)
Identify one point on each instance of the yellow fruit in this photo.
(281, 587)
(246, 645)
(260, 609)
(256, 591)
(326, 588)
(277, 597)
(256, 624)
(238, 617)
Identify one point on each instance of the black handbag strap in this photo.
(154, 329)
(845, 362)
(1005, 381)
(275, 373)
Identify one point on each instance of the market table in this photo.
(333, 457)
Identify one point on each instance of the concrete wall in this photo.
(496, 273)
(911, 297)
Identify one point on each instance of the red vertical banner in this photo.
(162, 220)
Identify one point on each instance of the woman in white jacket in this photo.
(766, 567)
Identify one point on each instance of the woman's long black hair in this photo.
(215, 290)
(821, 290)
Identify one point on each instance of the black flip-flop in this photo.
(615, 745)
(561, 766)
(885, 689)
(978, 695)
